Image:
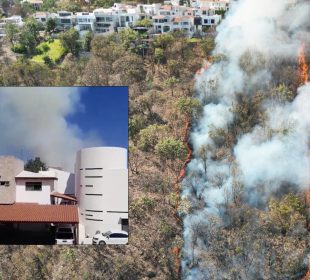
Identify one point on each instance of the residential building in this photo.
(93, 199)
(65, 20)
(102, 190)
(9, 168)
(85, 22)
(17, 20)
(106, 21)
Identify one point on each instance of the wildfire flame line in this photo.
(303, 66)
(176, 250)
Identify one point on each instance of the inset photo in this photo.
(63, 165)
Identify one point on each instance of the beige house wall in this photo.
(9, 168)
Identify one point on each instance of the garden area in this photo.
(51, 51)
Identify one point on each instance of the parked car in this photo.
(111, 237)
(64, 235)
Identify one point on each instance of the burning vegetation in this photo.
(251, 159)
(303, 66)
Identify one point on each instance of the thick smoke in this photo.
(33, 123)
(254, 38)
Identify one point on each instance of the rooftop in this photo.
(32, 175)
(36, 213)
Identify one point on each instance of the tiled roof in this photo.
(64, 196)
(36, 213)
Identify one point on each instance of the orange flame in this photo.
(303, 66)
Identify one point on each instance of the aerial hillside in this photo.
(161, 84)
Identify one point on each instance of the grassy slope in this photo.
(55, 52)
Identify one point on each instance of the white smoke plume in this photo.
(33, 120)
(255, 35)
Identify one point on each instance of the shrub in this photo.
(18, 48)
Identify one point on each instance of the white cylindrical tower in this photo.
(101, 183)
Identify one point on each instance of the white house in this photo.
(85, 22)
(35, 187)
(44, 187)
(17, 20)
(106, 20)
(65, 20)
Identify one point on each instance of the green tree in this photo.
(48, 5)
(129, 39)
(286, 214)
(26, 73)
(87, 38)
(149, 136)
(11, 32)
(35, 165)
(208, 45)
(159, 55)
(188, 106)
(70, 40)
(144, 23)
(135, 124)
(105, 3)
(26, 9)
(171, 149)
(5, 4)
(163, 41)
(171, 82)
(50, 25)
(29, 36)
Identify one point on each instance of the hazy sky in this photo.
(54, 122)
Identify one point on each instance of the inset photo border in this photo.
(63, 165)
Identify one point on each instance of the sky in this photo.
(105, 112)
(53, 123)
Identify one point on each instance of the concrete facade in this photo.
(25, 194)
(9, 168)
(101, 184)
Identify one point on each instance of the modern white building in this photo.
(17, 20)
(101, 183)
(106, 20)
(65, 20)
(45, 187)
(85, 22)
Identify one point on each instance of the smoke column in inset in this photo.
(252, 41)
(34, 120)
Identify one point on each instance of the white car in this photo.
(64, 235)
(111, 237)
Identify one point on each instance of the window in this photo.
(89, 219)
(124, 223)
(205, 21)
(94, 168)
(109, 19)
(118, 235)
(66, 21)
(204, 12)
(5, 183)
(33, 186)
(89, 186)
(212, 21)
